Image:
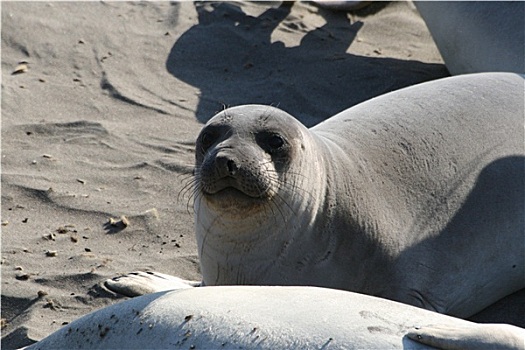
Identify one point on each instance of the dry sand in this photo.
(101, 120)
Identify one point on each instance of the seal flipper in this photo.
(139, 283)
(477, 336)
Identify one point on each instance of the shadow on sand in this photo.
(312, 81)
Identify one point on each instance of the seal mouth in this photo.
(230, 185)
(231, 191)
(234, 201)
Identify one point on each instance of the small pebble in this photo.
(22, 276)
(21, 68)
(62, 229)
(51, 253)
(50, 304)
(124, 221)
(49, 236)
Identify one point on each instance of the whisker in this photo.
(188, 184)
(290, 187)
(189, 189)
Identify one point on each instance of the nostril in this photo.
(232, 167)
(225, 164)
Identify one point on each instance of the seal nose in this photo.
(232, 167)
(226, 165)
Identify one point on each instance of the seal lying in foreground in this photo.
(253, 317)
(414, 196)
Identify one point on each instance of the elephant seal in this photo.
(414, 196)
(477, 36)
(256, 317)
(394, 197)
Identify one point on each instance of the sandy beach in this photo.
(102, 102)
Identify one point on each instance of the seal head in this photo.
(242, 157)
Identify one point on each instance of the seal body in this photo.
(252, 317)
(416, 196)
(477, 36)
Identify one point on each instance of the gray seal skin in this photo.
(414, 196)
(259, 317)
(477, 36)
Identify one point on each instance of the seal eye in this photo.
(207, 139)
(271, 142)
(275, 142)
